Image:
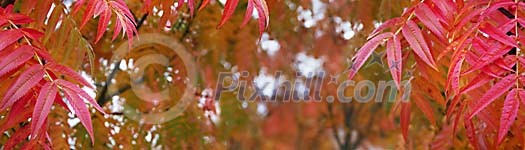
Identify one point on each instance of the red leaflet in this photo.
(9, 37)
(414, 37)
(23, 84)
(454, 73)
(81, 111)
(446, 6)
(496, 91)
(17, 114)
(7, 15)
(124, 19)
(229, 8)
(103, 22)
(387, 24)
(248, 14)
(57, 68)
(42, 107)
(496, 34)
(204, 4)
(509, 113)
(262, 11)
(394, 57)
(429, 19)
(480, 80)
(405, 119)
(79, 92)
(365, 52)
(15, 59)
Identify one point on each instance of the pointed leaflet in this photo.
(429, 19)
(43, 105)
(248, 14)
(405, 119)
(79, 92)
(394, 55)
(23, 84)
(454, 73)
(414, 37)
(17, 113)
(262, 11)
(496, 34)
(15, 59)
(229, 8)
(103, 22)
(508, 113)
(365, 52)
(9, 37)
(81, 111)
(204, 3)
(387, 24)
(68, 72)
(496, 91)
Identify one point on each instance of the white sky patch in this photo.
(72, 122)
(91, 92)
(269, 46)
(116, 104)
(346, 28)
(266, 83)
(262, 109)
(309, 66)
(311, 17)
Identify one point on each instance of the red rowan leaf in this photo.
(362, 55)
(387, 24)
(424, 13)
(248, 14)
(15, 59)
(229, 8)
(81, 93)
(204, 3)
(394, 55)
(446, 6)
(81, 111)
(485, 59)
(57, 68)
(9, 37)
(414, 37)
(43, 105)
(494, 92)
(478, 81)
(262, 11)
(496, 34)
(23, 84)
(7, 15)
(454, 73)
(103, 22)
(509, 113)
(32, 33)
(191, 6)
(18, 113)
(405, 119)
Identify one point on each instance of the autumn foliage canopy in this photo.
(464, 59)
